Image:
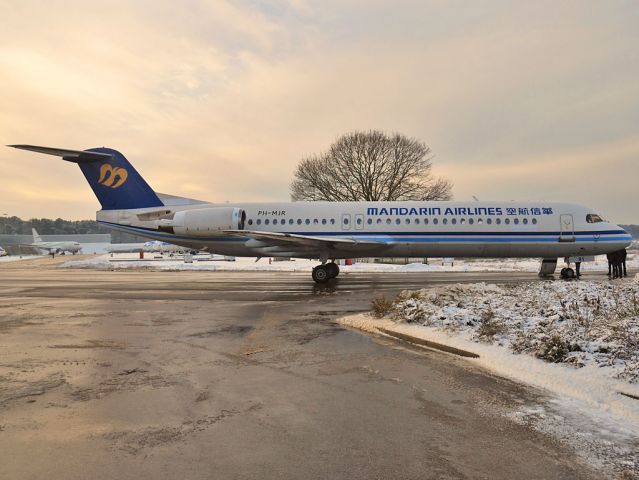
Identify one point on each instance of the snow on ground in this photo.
(127, 260)
(579, 339)
(16, 258)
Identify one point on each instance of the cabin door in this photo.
(567, 228)
(346, 221)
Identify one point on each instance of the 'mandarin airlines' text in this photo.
(470, 211)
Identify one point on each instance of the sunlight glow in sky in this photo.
(219, 100)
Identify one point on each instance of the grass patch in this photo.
(382, 306)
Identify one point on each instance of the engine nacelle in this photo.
(206, 221)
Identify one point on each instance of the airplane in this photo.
(338, 230)
(125, 248)
(154, 246)
(56, 247)
(166, 247)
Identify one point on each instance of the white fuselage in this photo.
(72, 247)
(420, 229)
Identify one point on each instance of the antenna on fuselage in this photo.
(476, 199)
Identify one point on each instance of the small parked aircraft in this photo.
(54, 247)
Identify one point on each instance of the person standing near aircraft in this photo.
(609, 258)
(617, 260)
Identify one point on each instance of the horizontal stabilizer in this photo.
(69, 155)
(116, 184)
(173, 200)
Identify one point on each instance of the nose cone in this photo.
(624, 236)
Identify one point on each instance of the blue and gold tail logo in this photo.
(112, 176)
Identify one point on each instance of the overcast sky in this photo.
(219, 100)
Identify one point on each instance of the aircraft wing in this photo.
(294, 242)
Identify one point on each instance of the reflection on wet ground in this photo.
(236, 375)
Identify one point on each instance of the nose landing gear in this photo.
(323, 273)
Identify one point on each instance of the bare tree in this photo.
(370, 166)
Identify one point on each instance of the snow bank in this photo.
(588, 333)
(17, 258)
(126, 261)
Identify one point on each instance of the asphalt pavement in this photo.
(144, 374)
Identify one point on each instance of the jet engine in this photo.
(207, 221)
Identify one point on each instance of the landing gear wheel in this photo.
(333, 269)
(567, 273)
(320, 274)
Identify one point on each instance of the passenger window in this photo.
(534, 221)
(358, 220)
(323, 221)
(345, 220)
(480, 221)
(275, 221)
(507, 221)
(435, 221)
(379, 220)
(462, 221)
(307, 221)
(398, 221)
(453, 221)
(250, 221)
(426, 221)
(516, 221)
(471, 221)
(445, 221)
(315, 221)
(498, 221)
(417, 221)
(369, 221)
(388, 221)
(259, 221)
(332, 221)
(525, 221)
(489, 221)
(299, 221)
(408, 221)
(267, 221)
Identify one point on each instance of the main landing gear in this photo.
(567, 273)
(323, 273)
(548, 266)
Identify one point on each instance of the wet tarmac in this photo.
(243, 375)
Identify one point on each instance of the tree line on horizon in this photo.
(47, 226)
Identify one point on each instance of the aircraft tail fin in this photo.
(36, 237)
(115, 182)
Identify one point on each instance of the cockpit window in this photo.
(593, 218)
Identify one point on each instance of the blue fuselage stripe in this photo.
(412, 237)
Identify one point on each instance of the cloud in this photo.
(220, 100)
